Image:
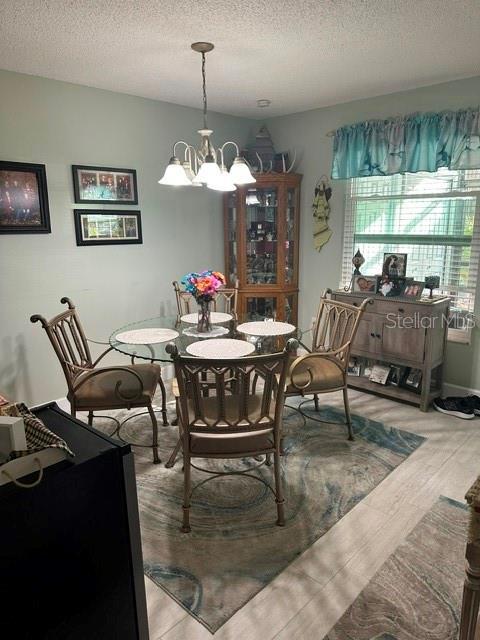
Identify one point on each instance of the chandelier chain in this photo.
(204, 85)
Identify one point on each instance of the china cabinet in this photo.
(261, 223)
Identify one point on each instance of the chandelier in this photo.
(205, 165)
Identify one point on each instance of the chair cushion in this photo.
(234, 443)
(99, 391)
(326, 375)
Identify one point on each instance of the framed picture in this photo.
(95, 185)
(394, 265)
(23, 198)
(397, 375)
(391, 287)
(379, 373)
(413, 289)
(107, 227)
(354, 367)
(413, 379)
(365, 284)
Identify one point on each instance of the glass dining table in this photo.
(148, 339)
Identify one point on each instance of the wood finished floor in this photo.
(306, 600)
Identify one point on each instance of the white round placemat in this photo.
(215, 317)
(146, 336)
(220, 348)
(215, 332)
(266, 328)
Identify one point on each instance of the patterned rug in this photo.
(418, 591)
(235, 549)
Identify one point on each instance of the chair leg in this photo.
(315, 400)
(173, 456)
(156, 459)
(471, 593)
(90, 418)
(279, 499)
(268, 459)
(187, 490)
(347, 414)
(164, 401)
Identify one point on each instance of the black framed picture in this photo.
(23, 198)
(107, 227)
(394, 265)
(95, 185)
(391, 287)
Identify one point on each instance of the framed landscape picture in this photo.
(107, 227)
(96, 185)
(23, 198)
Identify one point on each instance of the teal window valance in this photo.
(417, 142)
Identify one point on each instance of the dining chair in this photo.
(92, 388)
(235, 423)
(471, 588)
(225, 300)
(324, 368)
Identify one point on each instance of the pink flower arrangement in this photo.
(203, 286)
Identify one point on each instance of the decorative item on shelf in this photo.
(432, 282)
(203, 287)
(413, 289)
(261, 155)
(206, 165)
(379, 374)
(357, 262)
(394, 264)
(365, 284)
(397, 375)
(321, 213)
(413, 380)
(23, 198)
(354, 367)
(391, 287)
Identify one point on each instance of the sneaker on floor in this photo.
(474, 403)
(458, 407)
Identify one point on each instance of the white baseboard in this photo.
(456, 390)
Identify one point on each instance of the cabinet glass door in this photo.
(260, 308)
(290, 235)
(232, 273)
(261, 235)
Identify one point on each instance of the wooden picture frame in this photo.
(100, 227)
(102, 185)
(23, 198)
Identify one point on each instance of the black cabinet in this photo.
(70, 552)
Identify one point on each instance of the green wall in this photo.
(306, 132)
(60, 124)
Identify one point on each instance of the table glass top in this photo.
(156, 351)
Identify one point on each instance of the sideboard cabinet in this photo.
(261, 223)
(410, 334)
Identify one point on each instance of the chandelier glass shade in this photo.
(205, 166)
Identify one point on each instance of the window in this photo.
(431, 217)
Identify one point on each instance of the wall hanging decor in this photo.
(321, 213)
(23, 198)
(107, 227)
(96, 185)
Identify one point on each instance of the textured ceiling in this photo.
(299, 54)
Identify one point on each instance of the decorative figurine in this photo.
(432, 282)
(321, 213)
(357, 262)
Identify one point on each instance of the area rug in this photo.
(235, 549)
(417, 593)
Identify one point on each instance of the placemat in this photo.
(220, 348)
(215, 316)
(147, 336)
(214, 332)
(266, 328)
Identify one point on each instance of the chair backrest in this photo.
(225, 300)
(68, 340)
(249, 392)
(335, 327)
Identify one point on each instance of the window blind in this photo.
(433, 217)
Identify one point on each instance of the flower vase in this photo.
(203, 324)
